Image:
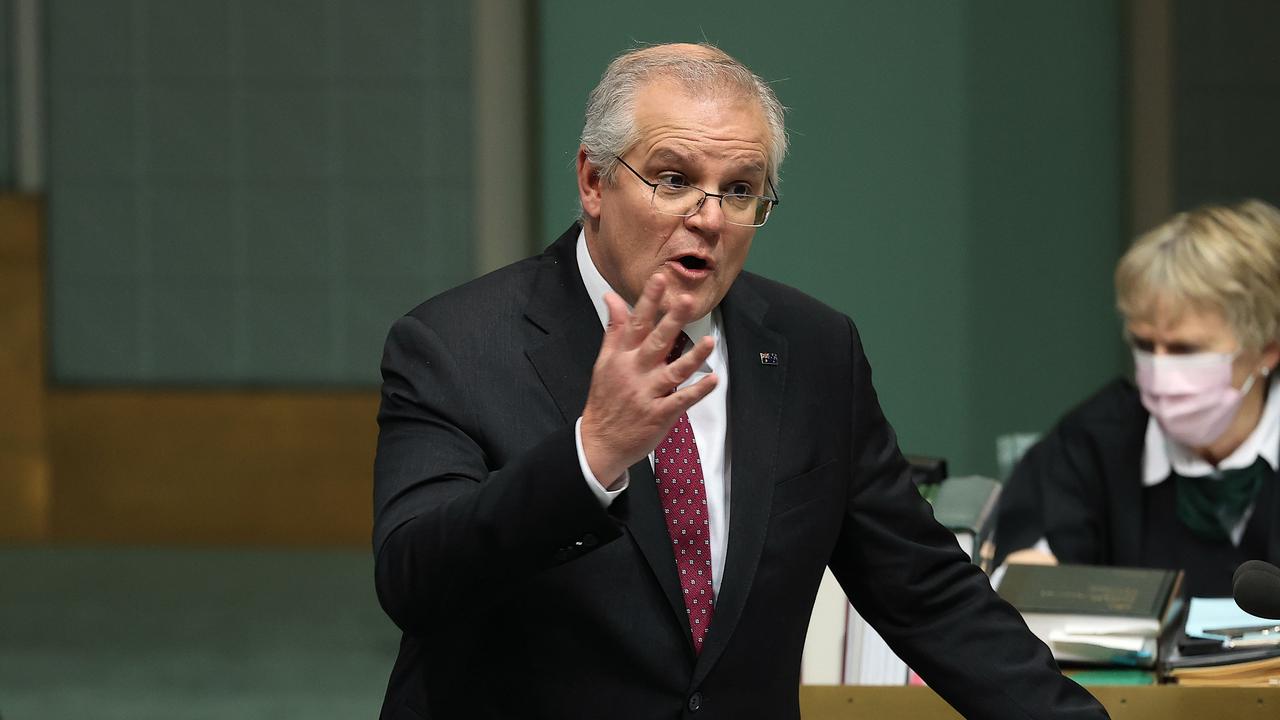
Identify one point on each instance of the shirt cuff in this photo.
(598, 489)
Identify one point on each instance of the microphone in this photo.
(1256, 589)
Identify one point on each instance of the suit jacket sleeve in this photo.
(451, 531)
(910, 580)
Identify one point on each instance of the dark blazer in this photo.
(520, 597)
(1081, 488)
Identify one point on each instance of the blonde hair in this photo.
(1216, 257)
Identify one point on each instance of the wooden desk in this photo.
(1157, 702)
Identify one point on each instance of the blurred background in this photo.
(212, 210)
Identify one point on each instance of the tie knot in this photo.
(677, 347)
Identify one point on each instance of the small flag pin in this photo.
(768, 358)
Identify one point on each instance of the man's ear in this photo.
(589, 181)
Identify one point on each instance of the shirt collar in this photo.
(1162, 455)
(597, 286)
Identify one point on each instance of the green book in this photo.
(1095, 614)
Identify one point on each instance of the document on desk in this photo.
(1249, 654)
(1222, 619)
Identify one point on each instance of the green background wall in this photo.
(247, 192)
(954, 185)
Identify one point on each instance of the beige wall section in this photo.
(156, 467)
(24, 467)
(270, 468)
(153, 467)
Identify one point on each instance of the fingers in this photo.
(686, 365)
(640, 327)
(645, 314)
(631, 403)
(619, 316)
(640, 334)
(681, 400)
(658, 343)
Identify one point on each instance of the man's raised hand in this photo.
(631, 406)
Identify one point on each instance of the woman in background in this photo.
(1181, 470)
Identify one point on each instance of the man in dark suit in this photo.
(572, 523)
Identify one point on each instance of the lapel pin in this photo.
(768, 358)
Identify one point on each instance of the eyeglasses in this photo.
(686, 201)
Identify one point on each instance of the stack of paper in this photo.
(868, 658)
(842, 649)
(1223, 645)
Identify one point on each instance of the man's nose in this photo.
(709, 217)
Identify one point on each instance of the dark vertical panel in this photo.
(1148, 41)
(6, 96)
(1227, 101)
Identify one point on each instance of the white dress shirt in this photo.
(708, 417)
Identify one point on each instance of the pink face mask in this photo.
(1191, 396)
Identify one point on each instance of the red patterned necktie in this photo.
(678, 471)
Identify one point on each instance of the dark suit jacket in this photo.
(1081, 488)
(520, 597)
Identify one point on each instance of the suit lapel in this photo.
(755, 404)
(641, 512)
(559, 307)
(563, 359)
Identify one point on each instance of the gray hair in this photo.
(609, 130)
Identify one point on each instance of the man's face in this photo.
(717, 142)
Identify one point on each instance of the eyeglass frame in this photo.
(773, 201)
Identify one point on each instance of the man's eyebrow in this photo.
(669, 155)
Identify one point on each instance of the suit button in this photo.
(590, 540)
(562, 555)
(695, 702)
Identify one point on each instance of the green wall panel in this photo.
(248, 192)
(953, 185)
(1046, 203)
